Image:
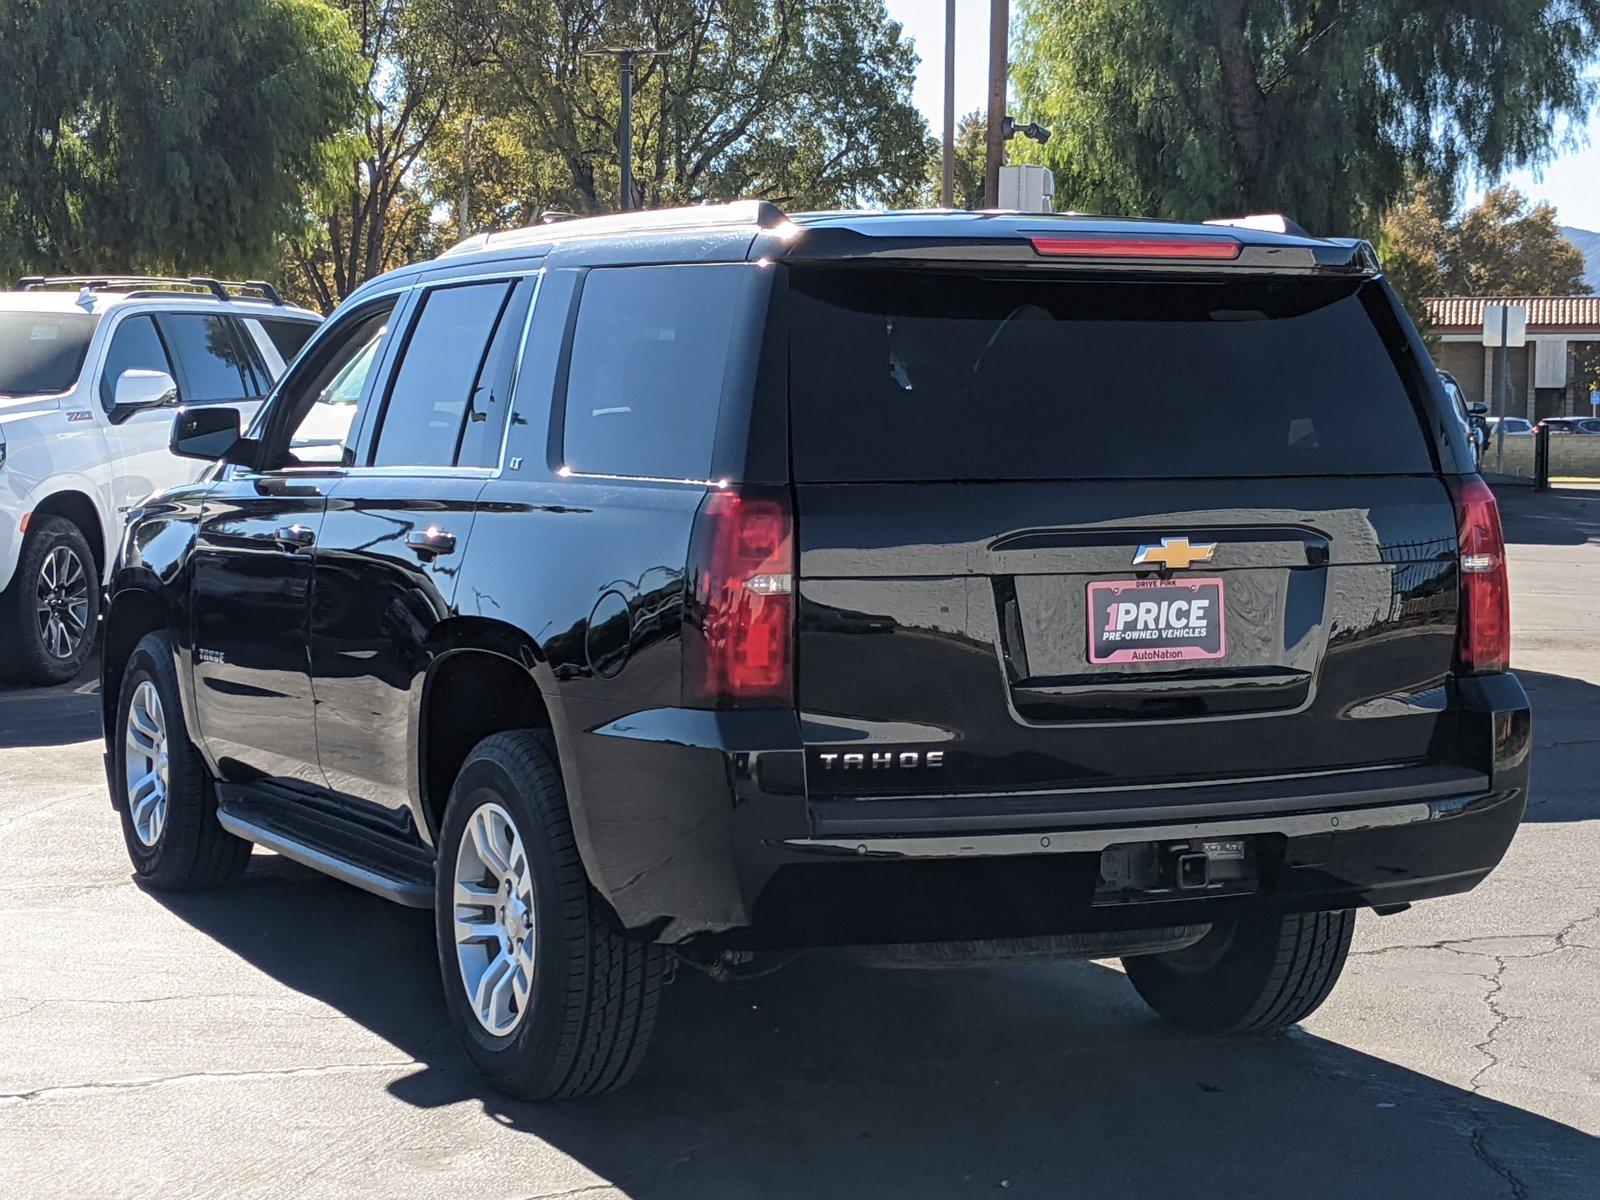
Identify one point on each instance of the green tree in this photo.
(164, 134)
(1502, 247)
(1499, 247)
(803, 102)
(969, 159)
(1315, 108)
(1411, 246)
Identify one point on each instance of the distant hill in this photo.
(1588, 241)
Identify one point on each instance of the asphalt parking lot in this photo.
(286, 1038)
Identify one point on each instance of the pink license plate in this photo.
(1156, 620)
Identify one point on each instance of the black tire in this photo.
(594, 992)
(192, 851)
(1252, 975)
(25, 658)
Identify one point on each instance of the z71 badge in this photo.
(1156, 620)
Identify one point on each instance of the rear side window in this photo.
(649, 355)
(135, 346)
(288, 336)
(906, 375)
(213, 359)
(444, 358)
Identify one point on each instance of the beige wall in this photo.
(1573, 455)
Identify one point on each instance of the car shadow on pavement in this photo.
(832, 1079)
(57, 716)
(1566, 741)
(1555, 518)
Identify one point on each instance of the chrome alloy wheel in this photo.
(492, 912)
(145, 772)
(62, 602)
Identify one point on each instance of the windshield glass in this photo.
(42, 353)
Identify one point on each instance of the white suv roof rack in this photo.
(158, 285)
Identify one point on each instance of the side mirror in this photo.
(211, 434)
(1478, 410)
(138, 389)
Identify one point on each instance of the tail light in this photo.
(741, 649)
(1483, 630)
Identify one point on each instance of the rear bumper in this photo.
(697, 826)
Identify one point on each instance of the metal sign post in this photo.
(1504, 326)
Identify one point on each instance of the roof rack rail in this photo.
(158, 285)
(738, 212)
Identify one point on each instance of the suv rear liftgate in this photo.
(1159, 567)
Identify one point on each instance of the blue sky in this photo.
(1571, 183)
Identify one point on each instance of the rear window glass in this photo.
(648, 359)
(288, 336)
(907, 375)
(42, 353)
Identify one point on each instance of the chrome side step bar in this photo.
(414, 893)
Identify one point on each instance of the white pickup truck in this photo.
(91, 370)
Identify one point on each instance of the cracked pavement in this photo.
(286, 1039)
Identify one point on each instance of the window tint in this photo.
(919, 375)
(648, 360)
(215, 366)
(135, 346)
(322, 432)
(441, 364)
(42, 353)
(288, 336)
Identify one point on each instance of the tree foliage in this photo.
(969, 159)
(371, 213)
(1499, 247)
(164, 134)
(1315, 108)
(804, 102)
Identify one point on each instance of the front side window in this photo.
(649, 357)
(323, 432)
(214, 361)
(135, 346)
(310, 420)
(434, 383)
(42, 353)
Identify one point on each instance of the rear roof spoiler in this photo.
(1046, 247)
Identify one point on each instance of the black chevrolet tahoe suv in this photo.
(665, 590)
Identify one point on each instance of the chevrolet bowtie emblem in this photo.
(1174, 554)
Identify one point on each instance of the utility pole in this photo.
(463, 224)
(999, 64)
(947, 179)
(626, 57)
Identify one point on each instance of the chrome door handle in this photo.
(431, 542)
(295, 537)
